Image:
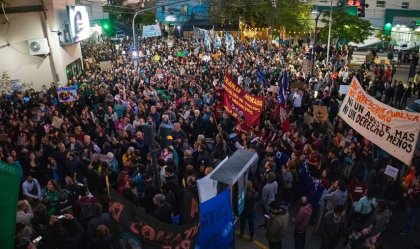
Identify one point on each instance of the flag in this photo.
(201, 33)
(217, 42)
(230, 42)
(207, 42)
(284, 84)
(280, 111)
(254, 45)
(261, 77)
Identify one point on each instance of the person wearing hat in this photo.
(277, 225)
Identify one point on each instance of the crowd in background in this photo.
(318, 175)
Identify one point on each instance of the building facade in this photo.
(401, 16)
(26, 20)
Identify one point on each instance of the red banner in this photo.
(237, 102)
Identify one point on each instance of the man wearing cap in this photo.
(278, 222)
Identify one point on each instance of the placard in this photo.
(105, 65)
(320, 113)
(67, 94)
(391, 171)
(151, 31)
(395, 131)
(57, 122)
(274, 89)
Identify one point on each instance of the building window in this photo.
(405, 5)
(380, 4)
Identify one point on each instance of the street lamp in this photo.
(138, 12)
(318, 14)
(329, 33)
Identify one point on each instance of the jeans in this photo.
(300, 239)
(275, 245)
(410, 220)
(250, 217)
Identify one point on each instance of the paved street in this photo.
(359, 59)
(390, 239)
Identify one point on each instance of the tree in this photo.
(346, 27)
(292, 15)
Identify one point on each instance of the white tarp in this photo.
(207, 188)
(151, 31)
(395, 131)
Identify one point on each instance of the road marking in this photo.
(256, 242)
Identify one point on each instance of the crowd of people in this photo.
(326, 175)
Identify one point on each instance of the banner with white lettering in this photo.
(151, 31)
(395, 131)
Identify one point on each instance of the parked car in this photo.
(370, 44)
(407, 46)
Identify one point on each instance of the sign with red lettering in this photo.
(237, 102)
(133, 228)
(395, 131)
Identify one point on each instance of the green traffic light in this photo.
(106, 26)
(387, 28)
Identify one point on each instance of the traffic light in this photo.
(361, 6)
(106, 26)
(387, 28)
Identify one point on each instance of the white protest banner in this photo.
(391, 171)
(67, 94)
(151, 31)
(395, 131)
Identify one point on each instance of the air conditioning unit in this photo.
(38, 46)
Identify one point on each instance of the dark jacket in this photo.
(164, 213)
(332, 227)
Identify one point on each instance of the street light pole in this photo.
(329, 33)
(315, 43)
(138, 12)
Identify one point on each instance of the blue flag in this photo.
(217, 42)
(207, 42)
(284, 84)
(216, 223)
(261, 77)
(254, 45)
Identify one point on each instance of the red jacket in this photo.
(303, 218)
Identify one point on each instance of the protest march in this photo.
(194, 140)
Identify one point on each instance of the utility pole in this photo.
(138, 12)
(329, 33)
